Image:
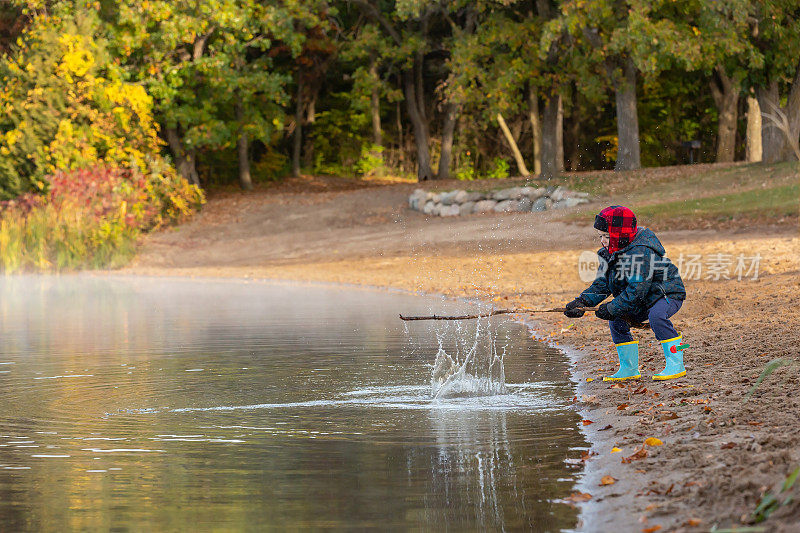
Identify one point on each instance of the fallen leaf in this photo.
(578, 497)
(589, 379)
(640, 454)
(607, 480)
(667, 415)
(622, 407)
(728, 445)
(652, 441)
(617, 386)
(755, 423)
(587, 422)
(651, 529)
(615, 450)
(587, 454)
(588, 399)
(606, 428)
(692, 522)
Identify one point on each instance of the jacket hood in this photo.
(646, 237)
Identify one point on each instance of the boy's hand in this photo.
(573, 308)
(602, 312)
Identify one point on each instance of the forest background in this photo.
(118, 115)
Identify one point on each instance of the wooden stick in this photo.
(636, 325)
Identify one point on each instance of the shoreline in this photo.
(589, 511)
(718, 456)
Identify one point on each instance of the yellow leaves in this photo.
(695, 30)
(607, 480)
(77, 59)
(652, 441)
(615, 450)
(589, 380)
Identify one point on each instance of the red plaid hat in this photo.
(620, 223)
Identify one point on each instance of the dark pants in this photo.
(658, 316)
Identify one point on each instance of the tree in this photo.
(208, 65)
(629, 39)
(67, 105)
(774, 30)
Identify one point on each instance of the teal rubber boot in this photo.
(673, 353)
(628, 353)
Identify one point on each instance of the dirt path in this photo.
(720, 454)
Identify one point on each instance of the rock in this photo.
(435, 198)
(428, 207)
(579, 194)
(452, 210)
(560, 204)
(437, 208)
(460, 196)
(540, 204)
(475, 196)
(417, 199)
(557, 194)
(506, 206)
(534, 192)
(524, 204)
(467, 208)
(572, 202)
(508, 194)
(484, 206)
(447, 198)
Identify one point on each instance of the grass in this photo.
(698, 196)
(760, 205)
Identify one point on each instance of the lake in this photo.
(155, 404)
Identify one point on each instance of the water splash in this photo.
(473, 366)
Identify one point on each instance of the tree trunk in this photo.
(424, 171)
(375, 106)
(298, 129)
(448, 128)
(574, 153)
(523, 170)
(243, 146)
(725, 91)
(401, 151)
(772, 141)
(184, 161)
(550, 137)
(536, 131)
(560, 136)
(628, 157)
(753, 142)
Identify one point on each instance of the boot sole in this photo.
(673, 376)
(637, 376)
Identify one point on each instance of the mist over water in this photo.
(157, 403)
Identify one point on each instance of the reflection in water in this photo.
(135, 403)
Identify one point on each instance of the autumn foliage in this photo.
(90, 218)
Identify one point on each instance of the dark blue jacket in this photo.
(637, 275)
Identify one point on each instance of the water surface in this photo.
(152, 404)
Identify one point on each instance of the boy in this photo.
(645, 286)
